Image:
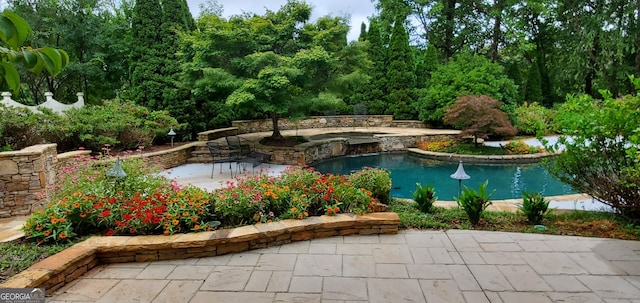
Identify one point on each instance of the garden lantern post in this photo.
(171, 134)
(117, 172)
(460, 175)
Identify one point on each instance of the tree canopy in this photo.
(479, 116)
(412, 60)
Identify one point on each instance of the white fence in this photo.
(51, 103)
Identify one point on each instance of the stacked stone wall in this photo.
(172, 157)
(256, 126)
(24, 178)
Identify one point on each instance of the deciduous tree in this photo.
(600, 150)
(479, 116)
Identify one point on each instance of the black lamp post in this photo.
(171, 134)
(460, 175)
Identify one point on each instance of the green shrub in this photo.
(534, 207)
(20, 127)
(600, 155)
(425, 196)
(474, 202)
(122, 125)
(519, 147)
(465, 74)
(377, 180)
(533, 119)
(297, 193)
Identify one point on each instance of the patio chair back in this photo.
(220, 156)
(237, 147)
(360, 114)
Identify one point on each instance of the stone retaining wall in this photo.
(24, 177)
(171, 157)
(307, 153)
(496, 159)
(256, 126)
(62, 268)
(217, 133)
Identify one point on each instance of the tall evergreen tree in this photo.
(363, 32)
(375, 100)
(427, 62)
(400, 74)
(533, 91)
(147, 55)
(514, 73)
(176, 98)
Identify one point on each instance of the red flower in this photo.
(106, 213)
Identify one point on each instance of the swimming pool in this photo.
(508, 180)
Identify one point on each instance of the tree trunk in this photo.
(449, 27)
(276, 129)
(495, 40)
(637, 63)
(591, 73)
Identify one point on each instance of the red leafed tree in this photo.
(479, 116)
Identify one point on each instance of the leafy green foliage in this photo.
(465, 74)
(534, 207)
(600, 152)
(378, 181)
(122, 125)
(148, 58)
(533, 119)
(20, 127)
(14, 31)
(425, 196)
(474, 202)
(533, 90)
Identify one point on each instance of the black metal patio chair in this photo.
(245, 152)
(220, 155)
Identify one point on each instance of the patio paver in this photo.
(412, 266)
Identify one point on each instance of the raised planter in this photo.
(62, 268)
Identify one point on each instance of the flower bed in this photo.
(86, 201)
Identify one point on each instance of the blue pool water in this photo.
(508, 180)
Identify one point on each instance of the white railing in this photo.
(51, 103)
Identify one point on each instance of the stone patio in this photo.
(411, 266)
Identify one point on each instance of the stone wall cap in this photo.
(28, 278)
(61, 260)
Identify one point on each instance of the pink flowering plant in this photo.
(85, 201)
(296, 194)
